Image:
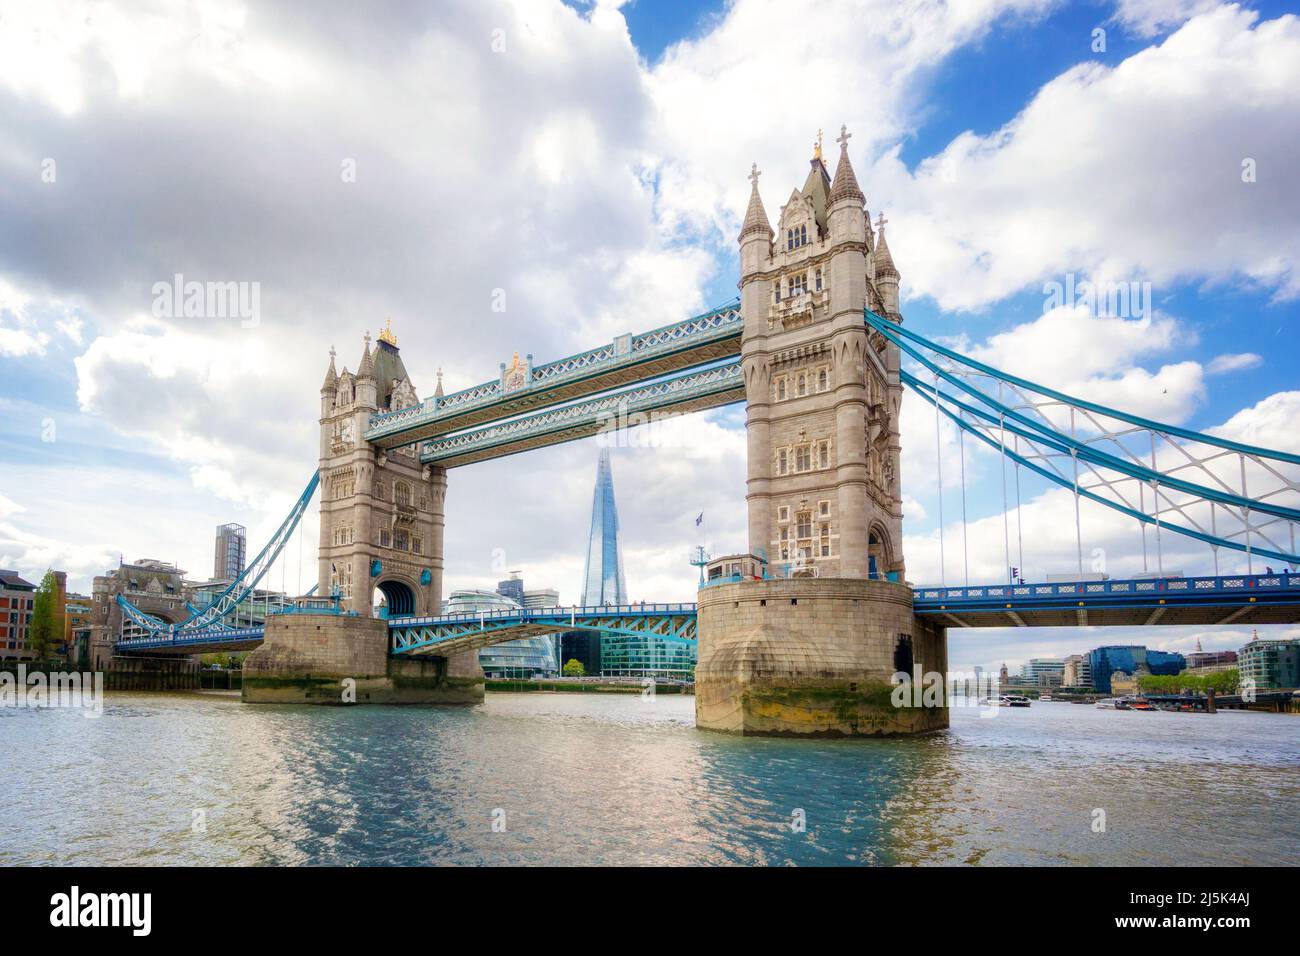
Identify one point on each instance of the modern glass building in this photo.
(621, 655)
(602, 581)
(523, 657)
(1272, 665)
(1131, 659)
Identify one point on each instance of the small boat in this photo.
(1013, 700)
(1110, 703)
(1044, 696)
(1141, 704)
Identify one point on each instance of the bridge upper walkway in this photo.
(628, 359)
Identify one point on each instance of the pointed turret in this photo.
(437, 392)
(756, 222)
(331, 382)
(884, 261)
(367, 367)
(886, 273)
(845, 184)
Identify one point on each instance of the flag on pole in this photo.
(699, 519)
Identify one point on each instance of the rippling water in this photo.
(618, 780)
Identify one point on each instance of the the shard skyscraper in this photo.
(603, 582)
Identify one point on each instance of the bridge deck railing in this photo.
(542, 613)
(1233, 584)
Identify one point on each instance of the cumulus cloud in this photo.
(1098, 172)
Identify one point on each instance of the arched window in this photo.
(803, 235)
(803, 384)
(402, 494)
(780, 389)
(819, 280)
(823, 380)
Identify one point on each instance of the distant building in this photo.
(16, 603)
(1078, 671)
(231, 552)
(522, 657)
(602, 580)
(512, 587)
(1211, 660)
(1123, 684)
(541, 597)
(1271, 664)
(1132, 660)
(78, 618)
(1034, 669)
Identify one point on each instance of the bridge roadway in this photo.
(1230, 599)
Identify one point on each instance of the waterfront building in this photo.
(1123, 684)
(1077, 672)
(231, 552)
(522, 657)
(1034, 669)
(78, 619)
(1131, 659)
(1271, 664)
(16, 603)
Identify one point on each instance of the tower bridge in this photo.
(801, 633)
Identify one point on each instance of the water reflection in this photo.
(617, 780)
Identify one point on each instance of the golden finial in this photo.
(817, 149)
(387, 334)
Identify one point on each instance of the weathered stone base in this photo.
(810, 657)
(307, 658)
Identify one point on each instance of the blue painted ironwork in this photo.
(626, 352)
(994, 420)
(720, 385)
(239, 589)
(1231, 590)
(414, 635)
(194, 641)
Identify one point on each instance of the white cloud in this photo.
(1146, 18)
(1238, 362)
(1098, 172)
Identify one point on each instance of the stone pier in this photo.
(306, 658)
(812, 657)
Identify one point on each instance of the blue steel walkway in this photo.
(1230, 599)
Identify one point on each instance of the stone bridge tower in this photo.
(812, 648)
(381, 526)
(381, 512)
(823, 393)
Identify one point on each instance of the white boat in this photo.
(1013, 700)
(1110, 703)
(1044, 696)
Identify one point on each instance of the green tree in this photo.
(43, 631)
(574, 668)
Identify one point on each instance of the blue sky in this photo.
(592, 163)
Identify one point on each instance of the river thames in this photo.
(579, 779)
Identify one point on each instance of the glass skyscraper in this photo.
(603, 582)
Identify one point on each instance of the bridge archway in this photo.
(398, 596)
(880, 552)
